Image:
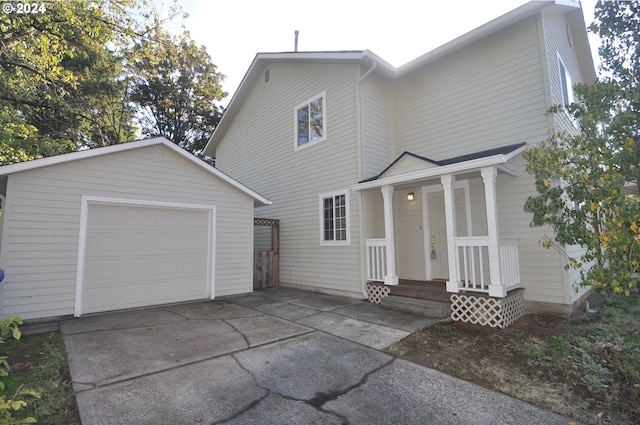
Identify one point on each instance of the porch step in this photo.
(432, 290)
(423, 307)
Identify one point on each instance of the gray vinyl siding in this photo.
(557, 45)
(373, 205)
(541, 269)
(407, 164)
(41, 224)
(488, 94)
(258, 150)
(478, 208)
(376, 127)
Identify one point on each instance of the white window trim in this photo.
(568, 87)
(323, 95)
(321, 199)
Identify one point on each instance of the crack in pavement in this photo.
(269, 392)
(321, 398)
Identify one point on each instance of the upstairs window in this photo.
(310, 121)
(334, 218)
(566, 84)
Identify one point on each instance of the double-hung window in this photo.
(334, 218)
(566, 84)
(310, 121)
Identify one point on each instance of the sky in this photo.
(398, 31)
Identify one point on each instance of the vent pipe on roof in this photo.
(295, 46)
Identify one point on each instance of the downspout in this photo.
(359, 147)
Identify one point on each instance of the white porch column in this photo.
(448, 183)
(391, 278)
(489, 175)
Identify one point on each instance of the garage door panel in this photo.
(137, 268)
(167, 292)
(194, 241)
(136, 242)
(188, 288)
(105, 216)
(134, 295)
(168, 265)
(192, 264)
(103, 241)
(145, 255)
(169, 217)
(168, 243)
(99, 299)
(101, 271)
(139, 216)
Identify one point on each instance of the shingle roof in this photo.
(503, 150)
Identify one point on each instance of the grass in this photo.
(38, 362)
(586, 367)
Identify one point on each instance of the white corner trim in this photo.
(82, 238)
(82, 244)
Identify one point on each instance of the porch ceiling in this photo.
(465, 166)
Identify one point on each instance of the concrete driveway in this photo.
(277, 356)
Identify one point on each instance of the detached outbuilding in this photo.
(124, 226)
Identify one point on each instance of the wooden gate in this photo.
(266, 262)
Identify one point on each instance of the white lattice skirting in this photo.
(486, 311)
(376, 293)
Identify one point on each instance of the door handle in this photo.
(433, 247)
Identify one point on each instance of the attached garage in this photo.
(126, 226)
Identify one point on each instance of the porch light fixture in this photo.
(410, 196)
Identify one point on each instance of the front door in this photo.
(438, 237)
(436, 231)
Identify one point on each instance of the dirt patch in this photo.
(540, 359)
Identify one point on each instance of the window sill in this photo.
(335, 243)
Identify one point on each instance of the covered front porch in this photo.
(434, 220)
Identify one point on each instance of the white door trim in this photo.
(426, 222)
(82, 239)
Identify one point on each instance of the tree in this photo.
(84, 74)
(20, 141)
(175, 88)
(587, 183)
(60, 73)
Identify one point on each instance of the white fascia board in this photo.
(457, 168)
(514, 153)
(73, 156)
(482, 31)
(212, 170)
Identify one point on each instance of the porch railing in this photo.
(472, 263)
(376, 259)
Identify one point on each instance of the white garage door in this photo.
(138, 256)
